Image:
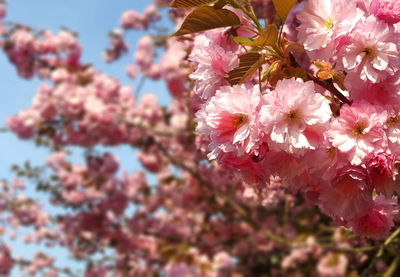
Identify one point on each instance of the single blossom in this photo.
(322, 22)
(294, 114)
(382, 172)
(332, 265)
(213, 66)
(229, 119)
(6, 261)
(372, 52)
(348, 195)
(358, 131)
(379, 219)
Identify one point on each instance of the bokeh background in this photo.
(92, 19)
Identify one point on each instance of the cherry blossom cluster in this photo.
(21, 211)
(345, 159)
(133, 20)
(83, 102)
(38, 53)
(118, 46)
(130, 20)
(172, 67)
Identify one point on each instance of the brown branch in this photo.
(328, 85)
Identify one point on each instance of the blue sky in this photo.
(92, 19)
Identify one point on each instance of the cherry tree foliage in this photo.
(278, 155)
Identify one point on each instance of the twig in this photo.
(389, 240)
(393, 267)
(329, 86)
(158, 131)
(67, 271)
(335, 248)
(140, 86)
(249, 14)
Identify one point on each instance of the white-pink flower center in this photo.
(370, 53)
(328, 24)
(240, 119)
(331, 152)
(231, 122)
(293, 116)
(394, 121)
(358, 129)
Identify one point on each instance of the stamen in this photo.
(328, 24)
(358, 130)
(292, 116)
(240, 120)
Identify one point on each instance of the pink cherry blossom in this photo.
(373, 51)
(379, 220)
(212, 70)
(181, 270)
(132, 19)
(322, 22)
(382, 172)
(294, 115)
(3, 11)
(348, 195)
(386, 10)
(392, 127)
(6, 263)
(358, 131)
(332, 265)
(229, 118)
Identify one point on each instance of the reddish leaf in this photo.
(207, 18)
(190, 3)
(283, 7)
(249, 63)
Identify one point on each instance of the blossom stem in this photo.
(329, 86)
(388, 241)
(234, 4)
(393, 267)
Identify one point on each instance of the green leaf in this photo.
(243, 40)
(190, 3)
(268, 37)
(249, 63)
(283, 7)
(207, 18)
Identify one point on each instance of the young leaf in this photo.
(243, 40)
(268, 37)
(249, 63)
(220, 4)
(207, 18)
(283, 7)
(293, 47)
(190, 3)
